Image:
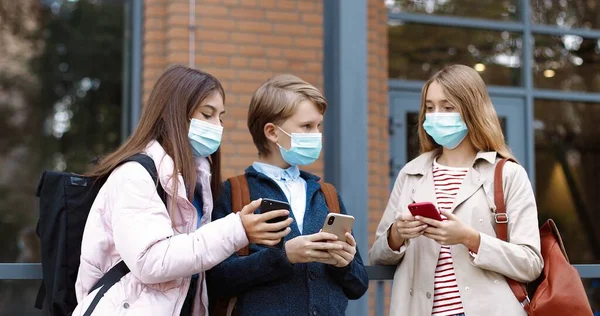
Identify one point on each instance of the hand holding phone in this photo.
(405, 226)
(312, 248)
(258, 230)
(269, 205)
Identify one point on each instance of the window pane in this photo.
(60, 102)
(567, 62)
(566, 13)
(567, 151)
(418, 51)
(412, 133)
(505, 10)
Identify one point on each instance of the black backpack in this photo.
(65, 202)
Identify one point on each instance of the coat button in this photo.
(410, 291)
(125, 305)
(495, 281)
(314, 313)
(467, 288)
(312, 275)
(428, 295)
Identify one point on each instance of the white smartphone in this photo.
(338, 224)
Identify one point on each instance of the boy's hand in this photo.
(257, 228)
(312, 248)
(344, 256)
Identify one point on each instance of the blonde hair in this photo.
(276, 101)
(465, 89)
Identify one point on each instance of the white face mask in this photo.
(205, 138)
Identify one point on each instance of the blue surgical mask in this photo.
(205, 138)
(305, 148)
(446, 129)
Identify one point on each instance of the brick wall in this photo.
(243, 42)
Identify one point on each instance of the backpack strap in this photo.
(240, 197)
(331, 197)
(501, 219)
(106, 282)
(41, 296)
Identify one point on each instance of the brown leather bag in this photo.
(240, 197)
(558, 290)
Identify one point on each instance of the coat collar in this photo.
(423, 191)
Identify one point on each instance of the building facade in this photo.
(74, 76)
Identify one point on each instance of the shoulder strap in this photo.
(500, 215)
(331, 197)
(240, 193)
(240, 197)
(501, 218)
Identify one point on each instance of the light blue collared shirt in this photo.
(292, 185)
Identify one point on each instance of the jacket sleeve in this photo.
(353, 278)
(144, 235)
(520, 258)
(381, 253)
(237, 274)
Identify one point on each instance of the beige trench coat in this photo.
(483, 288)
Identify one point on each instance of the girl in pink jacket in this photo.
(166, 247)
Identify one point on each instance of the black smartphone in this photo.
(268, 205)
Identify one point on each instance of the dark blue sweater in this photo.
(266, 283)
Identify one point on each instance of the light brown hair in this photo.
(165, 118)
(276, 101)
(464, 88)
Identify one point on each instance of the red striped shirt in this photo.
(446, 297)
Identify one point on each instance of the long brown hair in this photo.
(465, 89)
(165, 118)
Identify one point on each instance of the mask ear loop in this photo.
(290, 136)
(281, 129)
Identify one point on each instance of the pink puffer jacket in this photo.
(129, 222)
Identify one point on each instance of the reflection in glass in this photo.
(484, 9)
(418, 51)
(567, 151)
(60, 102)
(566, 14)
(567, 62)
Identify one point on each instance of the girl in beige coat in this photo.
(457, 266)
